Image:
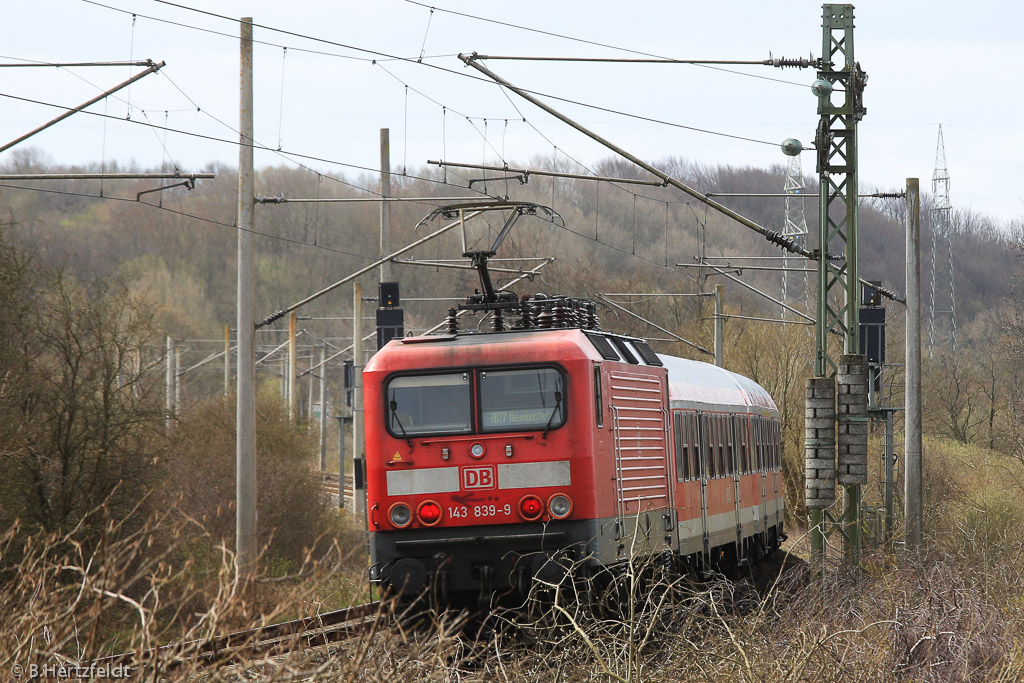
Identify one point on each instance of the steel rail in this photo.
(261, 640)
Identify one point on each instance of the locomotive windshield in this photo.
(511, 400)
(521, 399)
(429, 404)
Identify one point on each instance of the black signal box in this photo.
(387, 295)
(390, 325)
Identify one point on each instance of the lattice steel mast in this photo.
(840, 90)
(941, 222)
(795, 223)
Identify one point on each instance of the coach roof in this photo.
(691, 380)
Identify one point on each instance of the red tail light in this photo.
(429, 513)
(530, 507)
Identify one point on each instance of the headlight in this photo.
(400, 515)
(559, 505)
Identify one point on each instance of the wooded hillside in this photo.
(616, 237)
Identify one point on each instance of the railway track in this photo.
(286, 636)
(331, 483)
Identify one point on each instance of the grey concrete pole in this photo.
(718, 325)
(323, 408)
(292, 367)
(912, 455)
(358, 434)
(227, 360)
(171, 376)
(887, 467)
(385, 206)
(309, 391)
(341, 460)
(177, 383)
(245, 411)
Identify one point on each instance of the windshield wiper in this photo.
(394, 415)
(554, 411)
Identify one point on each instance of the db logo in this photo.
(481, 477)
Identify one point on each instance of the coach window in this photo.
(598, 397)
(776, 444)
(429, 404)
(742, 423)
(730, 437)
(517, 400)
(723, 428)
(704, 447)
(691, 429)
(714, 445)
(688, 430)
(679, 440)
(761, 436)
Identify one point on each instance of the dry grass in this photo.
(953, 612)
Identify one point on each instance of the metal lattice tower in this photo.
(836, 143)
(795, 225)
(840, 90)
(941, 230)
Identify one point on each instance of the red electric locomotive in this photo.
(496, 457)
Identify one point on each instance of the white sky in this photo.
(945, 61)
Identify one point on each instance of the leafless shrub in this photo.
(69, 603)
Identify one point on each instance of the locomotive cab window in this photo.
(429, 404)
(531, 398)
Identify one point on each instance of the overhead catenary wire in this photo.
(593, 42)
(379, 56)
(527, 172)
(257, 146)
(440, 231)
(28, 63)
(184, 214)
(770, 235)
(340, 163)
(623, 60)
(69, 111)
(675, 336)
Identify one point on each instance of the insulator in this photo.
(453, 321)
(572, 313)
(498, 323)
(545, 320)
(799, 63)
(558, 314)
(524, 314)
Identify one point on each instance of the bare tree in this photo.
(79, 419)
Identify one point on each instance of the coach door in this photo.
(776, 465)
(732, 431)
(642, 468)
(703, 462)
(761, 454)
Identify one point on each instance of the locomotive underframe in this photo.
(461, 565)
